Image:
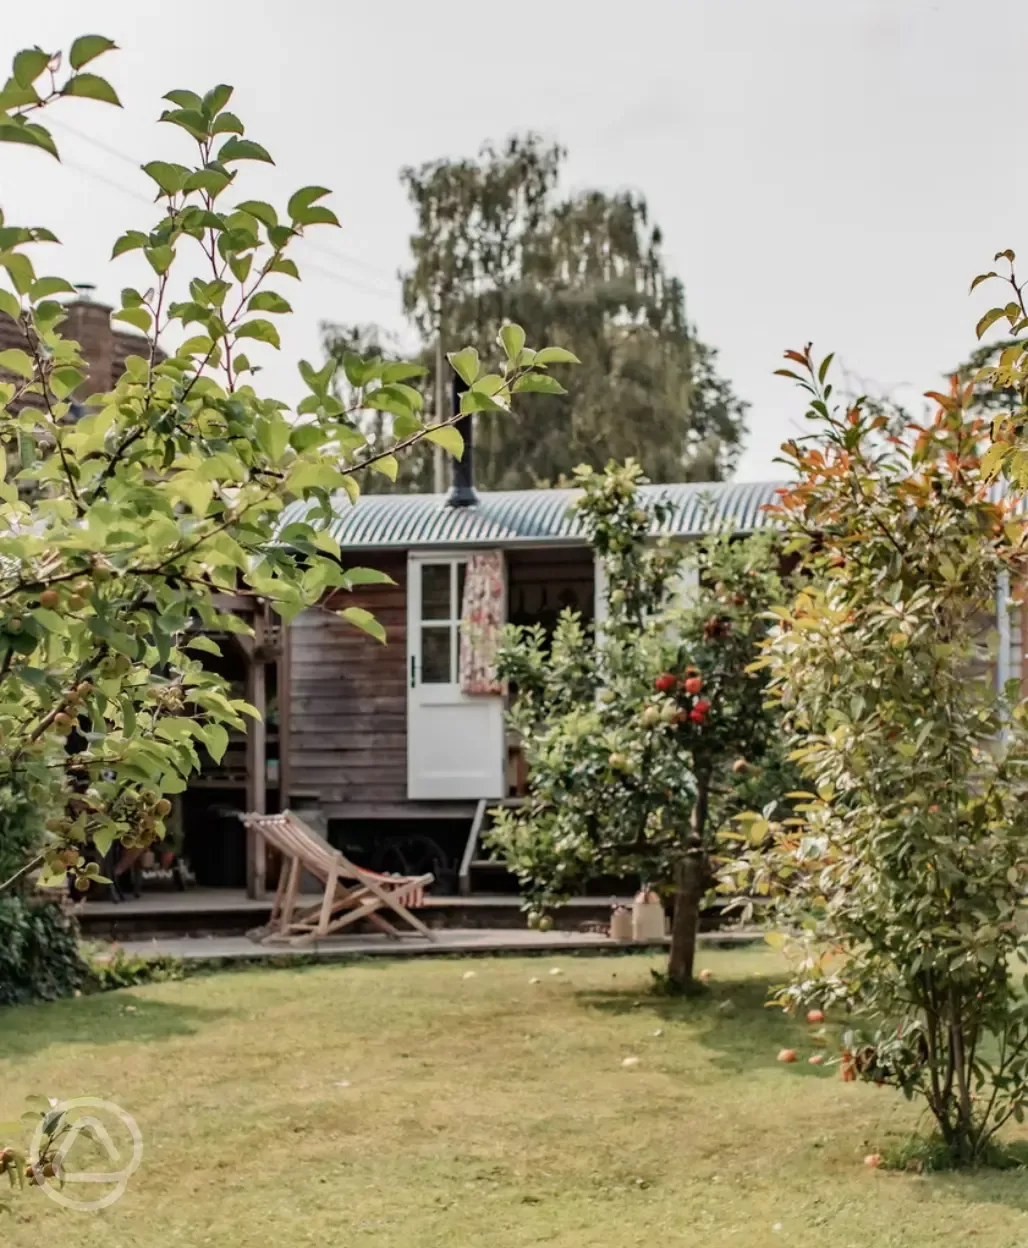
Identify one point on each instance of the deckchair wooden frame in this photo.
(351, 893)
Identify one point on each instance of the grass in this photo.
(483, 1111)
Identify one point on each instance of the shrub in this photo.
(21, 831)
(110, 969)
(39, 952)
(907, 873)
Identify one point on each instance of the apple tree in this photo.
(635, 737)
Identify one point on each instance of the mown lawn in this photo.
(481, 1111)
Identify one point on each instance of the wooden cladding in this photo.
(347, 737)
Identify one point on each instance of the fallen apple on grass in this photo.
(787, 1055)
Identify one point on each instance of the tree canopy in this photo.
(636, 738)
(496, 240)
(902, 873)
(125, 515)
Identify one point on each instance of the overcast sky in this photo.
(834, 170)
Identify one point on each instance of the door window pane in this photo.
(435, 656)
(435, 591)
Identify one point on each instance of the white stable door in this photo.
(456, 745)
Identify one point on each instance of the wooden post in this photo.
(285, 698)
(256, 757)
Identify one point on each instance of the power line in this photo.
(86, 171)
(343, 257)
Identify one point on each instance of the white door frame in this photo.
(458, 753)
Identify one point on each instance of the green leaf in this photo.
(242, 149)
(365, 621)
(227, 123)
(475, 401)
(316, 215)
(268, 301)
(512, 339)
(538, 383)
(31, 135)
(188, 119)
(170, 178)
(993, 458)
(9, 305)
(260, 329)
(51, 621)
(404, 424)
(20, 269)
(44, 286)
(87, 48)
(302, 199)
(211, 180)
(556, 355)
(265, 213)
(401, 371)
(282, 264)
(200, 642)
(191, 489)
(315, 476)
(216, 99)
(491, 384)
(184, 99)
(465, 364)
(216, 740)
(366, 576)
(386, 465)
(91, 87)
(64, 381)
(990, 318)
(17, 362)
(160, 258)
(139, 317)
(29, 64)
(449, 439)
(131, 240)
(279, 235)
(13, 96)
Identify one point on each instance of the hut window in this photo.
(442, 591)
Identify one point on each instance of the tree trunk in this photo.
(690, 882)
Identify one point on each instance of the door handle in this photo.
(413, 672)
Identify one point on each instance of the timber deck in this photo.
(461, 942)
(202, 912)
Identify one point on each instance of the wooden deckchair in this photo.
(351, 894)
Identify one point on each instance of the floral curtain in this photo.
(481, 621)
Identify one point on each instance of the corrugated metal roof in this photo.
(516, 517)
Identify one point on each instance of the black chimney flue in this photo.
(462, 490)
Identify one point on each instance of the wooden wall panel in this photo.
(348, 700)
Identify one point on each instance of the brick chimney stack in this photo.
(89, 324)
